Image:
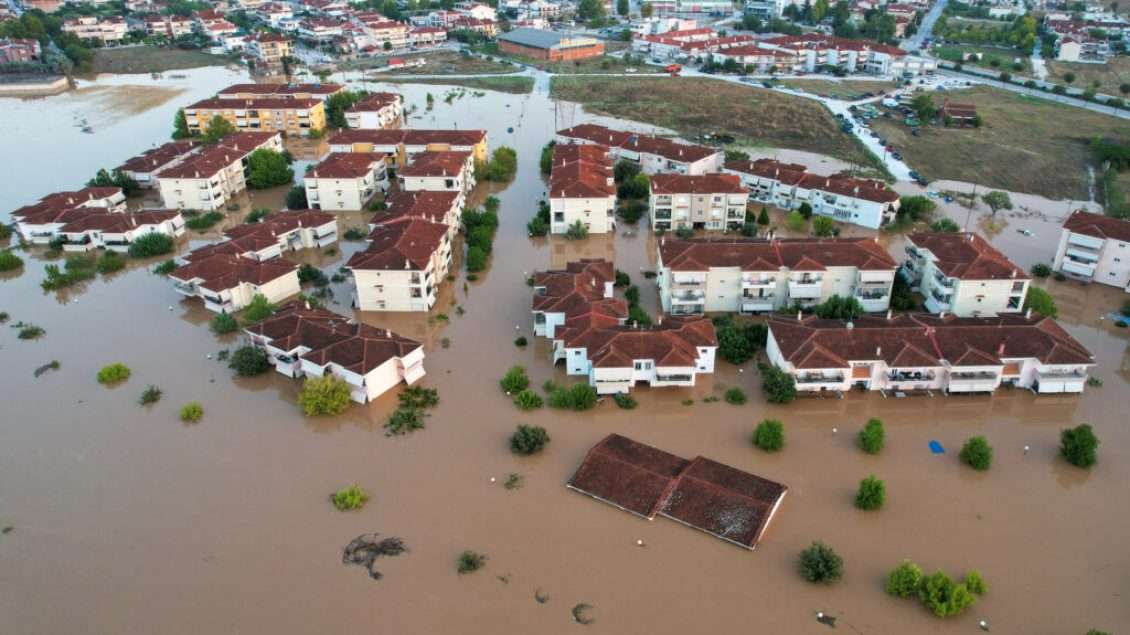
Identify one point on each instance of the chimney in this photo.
(407, 265)
(878, 351)
(942, 315)
(1000, 350)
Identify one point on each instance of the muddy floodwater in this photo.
(125, 520)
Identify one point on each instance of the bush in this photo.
(76, 268)
(528, 400)
(150, 395)
(191, 412)
(872, 494)
(151, 244)
(248, 361)
(113, 373)
(528, 440)
(904, 580)
(975, 583)
(977, 453)
(1078, 445)
(202, 222)
(257, 214)
(769, 435)
(823, 226)
(404, 421)
(872, 437)
(354, 233)
(624, 280)
(942, 596)
(223, 324)
(470, 561)
(165, 268)
(737, 343)
(577, 231)
(310, 273)
(1041, 302)
(324, 396)
(350, 498)
(260, 308)
(1041, 270)
(735, 396)
(945, 225)
(778, 386)
(109, 262)
(795, 221)
(819, 563)
(476, 259)
(520, 341)
(9, 261)
(576, 397)
(515, 380)
(31, 332)
(624, 400)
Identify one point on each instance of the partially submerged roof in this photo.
(405, 244)
(433, 164)
(224, 271)
(720, 500)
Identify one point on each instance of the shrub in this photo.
(514, 380)
(310, 273)
(513, 481)
(470, 561)
(9, 261)
(977, 453)
(872, 437)
(404, 421)
(418, 397)
(577, 231)
(476, 259)
(795, 221)
(576, 397)
(1041, 270)
(624, 400)
(735, 396)
(942, 596)
(324, 396)
(904, 580)
(150, 395)
(1078, 445)
(975, 583)
(945, 225)
(823, 226)
(248, 361)
(113, 373)
(737, 342)
(31, 332)
(223, 324)
(769, 435)
(528, 440)
(684, 233)
(819, 563)
(76, 268)
(872, 494)
(520, 341)
(202, 222)
(624, 280)
(110, 262)
(1041, 302)
(260, 308)
(151, 244)
(191, 412)
(350, 498)
(778, 386)
(165, 268)
(528, 400)
(257, 215)
(355, 233)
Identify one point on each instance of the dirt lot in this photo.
(1025, 145)
(439, 63)
(848, 90)
(694, 106)
(149, 59)
(1109, 76)
(516, 85)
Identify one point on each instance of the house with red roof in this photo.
(443, 170)
(346, 180)
(762, 276)
(99, 229)
(310, 342)
(402, 267)
(1095, 248)
(961, 273)
(209, 177)
(582, 189)
(581, 292)
(923, 352)
(143, 167)
(227, 283)
(40, 222)
(655, 155)
(403, 143)
(445, 208)
(705, 201)
(376, 111)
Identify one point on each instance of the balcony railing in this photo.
(687, 296)
(820, 379)
(671, 378)
(973, 376)
(911, 375)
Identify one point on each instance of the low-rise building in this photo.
(19, 51)
(614, 359)
(144, 167)
(958, 114)
(922, 352)
(346, 180)
(446, 170)
(107, 31)
(377, 111)
(270, 237)
(402, 267)
(207, 179)
(707, 201)
(423, 36)
(551, 46)
(302, 341)
(280, 91)
(227, 283)
(170, 26)
(405, 143)
(40, 222)
(961, 273)
(445, 208)
(269, 49)
(1095, 248)
(582, 189)
(320, 31)
(654, 155)
(581, 293)
(487, 28)
(763, 276)
(97, 229)
(292, 117)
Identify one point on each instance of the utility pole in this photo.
(969, 213)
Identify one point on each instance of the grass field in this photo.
(438, 63)
(847, 90)
(695, 106)
(515, 85)
(1109, 76)
(1003, 58)
(150, 59)
(1025, 145)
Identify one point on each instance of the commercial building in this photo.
(961, 273)
(1095, 248)
(582, 189)
(653, 154)
(377, 111)
(211, 176)
(292, 117)
(580, 294)
(922, 352)
(402, 267)
(346, 180)
(707, 201)
(763, 276)
(227, 283)
(551, 46)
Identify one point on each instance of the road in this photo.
(978, 78)
(915, 42)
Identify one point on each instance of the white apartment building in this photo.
(110, 30)
(377, 111)
(963, 274)
(40, 222)
(582, 189)
(445, 208)
(581, 293)
(654, 155)
(1095, 248)
(402, 267)
(346, 181)
(306, 342)
(98, 229)
(439, 171)
(403, 143)
(143, 167)
(764, 276)
(209, 178)
(708, 201)
(768, 9)
(921, 352)
(228, 283)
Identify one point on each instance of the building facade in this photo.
(1095, 248)
(582, 189)
(708, 201)
(961, 273)
(346, 180)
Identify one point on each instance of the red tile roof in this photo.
(221, 272)
(346, 165)
(52, 205)
(581, 171)
(867, 189)
(700, 184)
(1098, 226)
(282, 90)
(160, 156)
(673, 343)
(636, 142)
(798, 254)
(428, 205)
(407, 244)
(578, 292)
(278, 223)
(96, 219)
(787, 173)
(264, 103)
(211, 159)
(443, 163)
(410, 137)
(376, 102)
(967, 256)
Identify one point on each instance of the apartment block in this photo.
(445, 170)
(582, 189)
(402, 267)
(377, 111)
(209, 178)
(654, 155)
(41, 222)
(405, 143)
(1095, 248)
(961, 273)
(292, 117)
(97, 229)
(144, 167)
(346, 180)
(280, 91)
(708, 201)
(269, 49)
(445, 208)
(107, 31)
(227, 283)
(580, 294)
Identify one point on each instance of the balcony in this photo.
(805, 288)
(1087, 242)
(911, 376)
(1078, 268)
(819, 379)
(688, 296)
(185, 289)
(945, 283)
(751, 282)
(758, 304)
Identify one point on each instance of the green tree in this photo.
(795, 221)
(545, 162)
(805, 210)
(223, 324)
(635, 186)
(296, 198)
(622, 7)
(820, 564)
(268, 168)
(997, 200)
(326, 395)
(590, 10)
(977, 453)
(528, 440)
(871, 495)
(113, 374)
(647, 10)
(180, 125)
(916, 208)
(1078, 445)
(259, 309)
(763, 216)
(1041, 302)
(191, 412)
(338, 103)
(469, 561)
(923, 106)
(975, 583)
(839, 308)
(151, 244)
(248, 361)
(528, 400)
(823, 226)
(769, 435)
(942, 596)
(217, 129)
(735, 396)
(778, 386)
(9, 261)
(514, 380)
(872, 437)
(945, 225)
(905, 580)
(350, 498)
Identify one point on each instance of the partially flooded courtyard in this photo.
(125, 520)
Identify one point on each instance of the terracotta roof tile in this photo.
(1098, 226)
(967, 256)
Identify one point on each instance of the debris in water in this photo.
(582, 614)
(53, 365)
(366, 548)
(984, 625)
(505, 579)
(541, 596)
(1025, 449)
(826, 620)
(639, 543)
(936, 447)
(7, 530)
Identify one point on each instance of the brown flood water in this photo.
(125, 520)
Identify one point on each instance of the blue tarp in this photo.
(936, 447)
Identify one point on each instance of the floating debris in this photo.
(826, 620)
(541, 596)
(7, 530)
(53, 365)
(366, 548)
(936, 447)
(582, 614)
(513, 481)
(505, 579)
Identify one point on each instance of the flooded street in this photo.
(125, 520)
